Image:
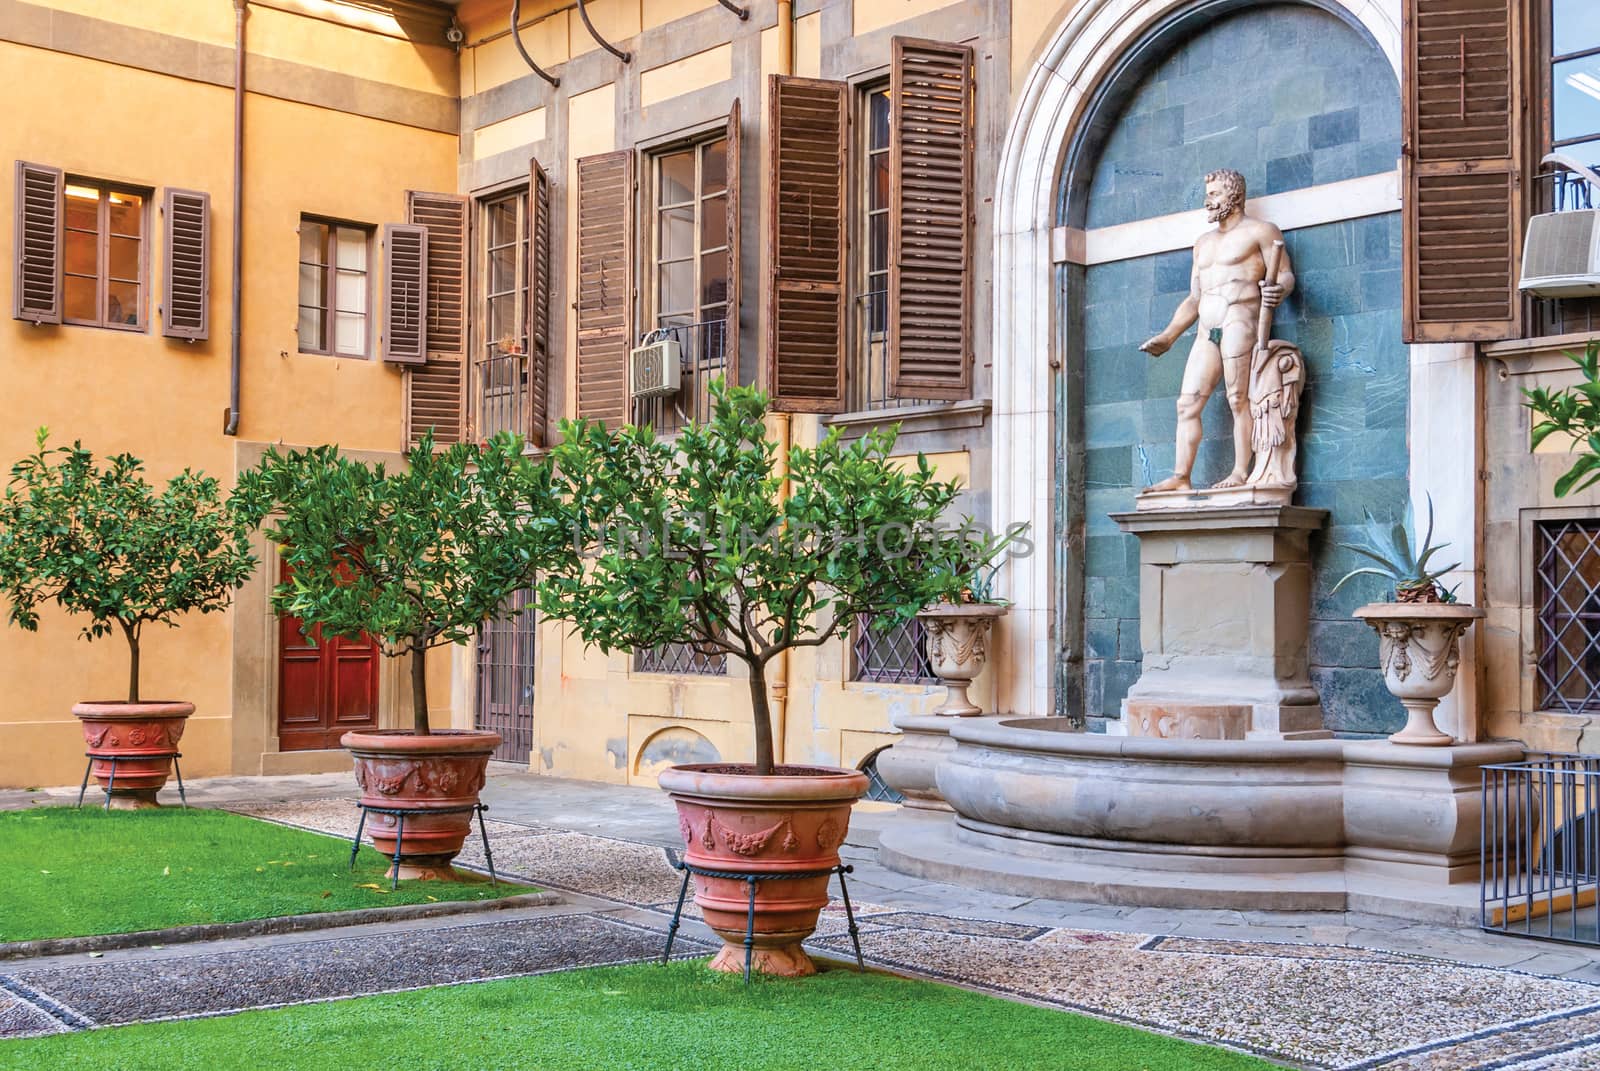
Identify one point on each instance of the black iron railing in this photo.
(1561, 190)
(702, 357)
(500, 394)
(868, 378)
(1540, 847)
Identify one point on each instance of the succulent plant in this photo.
(1389, 546)
(1574, 414)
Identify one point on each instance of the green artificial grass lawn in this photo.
(637, 1017)
(69, 872)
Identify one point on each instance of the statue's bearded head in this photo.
(1224, 194)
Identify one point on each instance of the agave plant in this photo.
(1390, 546)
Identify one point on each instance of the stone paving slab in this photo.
(217, 983)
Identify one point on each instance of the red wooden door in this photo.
(327, 686)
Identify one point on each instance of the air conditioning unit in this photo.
(1561, 256)
(653, 369)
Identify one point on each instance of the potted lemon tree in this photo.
(100, 541)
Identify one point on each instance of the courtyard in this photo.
(956, 977)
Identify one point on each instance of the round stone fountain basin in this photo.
(1031, 786)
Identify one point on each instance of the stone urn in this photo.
(958, 646)
(1419, 649)
(435, 779)
(738, 822)
(143, 736)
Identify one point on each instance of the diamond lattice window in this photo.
(894, 655)
(1567, 566)
(683, 658)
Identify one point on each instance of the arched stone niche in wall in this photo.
(1307, 107)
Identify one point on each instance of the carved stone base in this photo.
(1213, 497)
(1224, 618)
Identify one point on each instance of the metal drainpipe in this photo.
(231, 426)
(784, 430)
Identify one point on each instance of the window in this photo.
(1567, 579)
(333, 287)
(689, 289)
(500, 372)
(681, 658)
(1575, 78)
(892, 655)
(506, 676)
(103, 272)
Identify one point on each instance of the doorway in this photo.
(506, 676)
(327, 686)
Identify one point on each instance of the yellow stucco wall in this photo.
(164, 399)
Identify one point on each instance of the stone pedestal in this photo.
(1224, 616)
(908, 766)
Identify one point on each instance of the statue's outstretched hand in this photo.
(1156, 346)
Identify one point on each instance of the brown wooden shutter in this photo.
(436, 389)
(186, 235)
(930, 220)
(730, 343)
(405, 284)
(36, 277)
(538, 303)
(1462, 159)
(805, 206)
(605, 285)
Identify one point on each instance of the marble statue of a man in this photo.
(1229, 297)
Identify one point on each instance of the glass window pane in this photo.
(313, 240)
(714, 223)
(80, 299)
(502, 269)
(351, 254)
(125, 258)
(83, 207)
(122, 303)
(677, 234)
(503, 329)
(310, 329)
(82, 253)
(714, 166)
(1576, 100)
(312, 283)
(677, 178)
(677, 287)
(878, 243)
(878, 181)
(127, 213)
(350, 292)
(878, 120)
(714, 278)
(350, 334)
(1576, 26)
(502, 221)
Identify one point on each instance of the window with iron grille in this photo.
(1567, 571)
(103, 276)
(689, 288)
(506, 670)
(681, 658)
(892, 654)
(878, 790)
(500, 365)
(333, 287)
(1574, 130)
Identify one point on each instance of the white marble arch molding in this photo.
(1072, 92)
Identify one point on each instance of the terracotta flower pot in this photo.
(141, 735)
(1419, 648)
(958, 646)
(400, 770)
(734, 820)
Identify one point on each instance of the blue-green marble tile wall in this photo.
(1292, 97)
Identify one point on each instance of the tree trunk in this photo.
(763, 717)
(133, 661)
(419, 691)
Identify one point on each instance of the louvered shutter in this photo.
(435, 389)
(186, 235)
(36, 277)
(1462, 161)
(806, 236)
(930, 220)
(605, 285)
(405, 284)
(730, 343)
(538, 303)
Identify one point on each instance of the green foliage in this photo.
(71, 873)
(1574, 412)
(1390, 547)
(692, 542)
(414, 558)
(100, 541)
